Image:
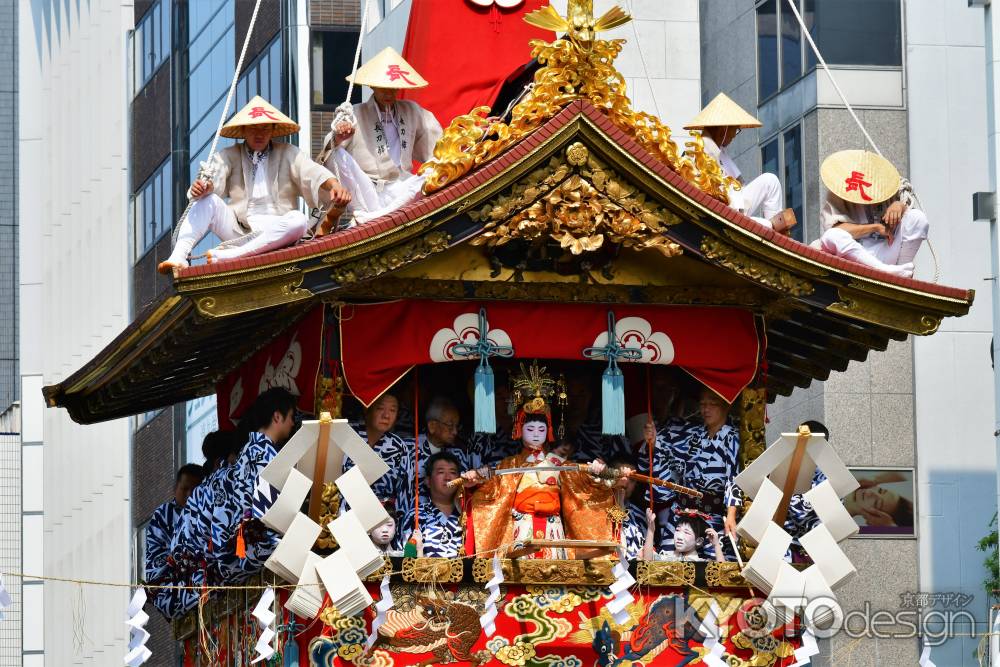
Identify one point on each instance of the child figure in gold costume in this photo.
(551, 505)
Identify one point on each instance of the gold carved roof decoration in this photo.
(576, 67)
(580, 202)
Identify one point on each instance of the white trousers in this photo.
(210, 213)
(367, 201)
(877, 252)
(761, 199)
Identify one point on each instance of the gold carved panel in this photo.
(665, 573)
(539, 571)
(432, 570)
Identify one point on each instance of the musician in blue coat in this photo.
(162, 527)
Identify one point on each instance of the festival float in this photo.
(571, 234)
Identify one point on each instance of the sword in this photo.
(608, 473)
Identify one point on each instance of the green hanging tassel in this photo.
(613, 400)
(612, 382)
(485, 409)
(410, 550)
(485, 416)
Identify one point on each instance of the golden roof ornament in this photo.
(579, 23)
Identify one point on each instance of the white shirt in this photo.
(390, 125)
(261, 202)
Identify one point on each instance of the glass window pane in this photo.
(165, 32)
(809, 18)
(337, 58)
(154, 39)
(275, 94)
(794, 192)
(769, 158)
(138, 226)
(149, 209)
(767, 49)
(859, 32)
(791, 47)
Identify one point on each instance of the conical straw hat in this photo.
(387, 70)
(860, 177)
(722, 112)
(259, 111)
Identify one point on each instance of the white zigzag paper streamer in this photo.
(382, 607)
(710, 629)
(714, 657)
(138, 636)
(618, 606)
(808, 649)
(488, 619)
(265, 617)
(925, 658)
(5, 600)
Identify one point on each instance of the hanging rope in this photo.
(905, 184)
(207, 170)
(345, 111)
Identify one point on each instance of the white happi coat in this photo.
(375, 163)
(290, 174)
(762, 198)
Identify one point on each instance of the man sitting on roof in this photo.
(263, 181)
(867, 217)
(720, 122)
(374, 158)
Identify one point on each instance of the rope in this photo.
(843, 98)
(206, 169)
(650, 445)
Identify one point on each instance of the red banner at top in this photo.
(381, 342)
(466, 49)
(291, 361)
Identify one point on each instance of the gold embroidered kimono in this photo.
(583, 505)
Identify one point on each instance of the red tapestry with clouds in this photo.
(381, 342)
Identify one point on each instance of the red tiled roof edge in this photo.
(474, 179)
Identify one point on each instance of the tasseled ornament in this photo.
(291, 650)
(485, 420)
(485, 408)
(613, 400)
(241, 544)
(612, 382)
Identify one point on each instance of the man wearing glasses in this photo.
(442, 424)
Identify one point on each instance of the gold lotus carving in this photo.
(571, 70)
(580, 202)
(753, 441)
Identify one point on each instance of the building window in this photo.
(151, 43)
(152, 210)
(847, 32)
(332, 63)
(264, 76)
(782, 156)
(767, 49)
(857, 32)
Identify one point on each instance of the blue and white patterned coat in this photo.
(633, 535)
(442, 534)
(669, 454)
(163, 525)
(393, 450)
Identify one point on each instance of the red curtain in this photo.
(381, 342)
(465, 51)
(291, 361)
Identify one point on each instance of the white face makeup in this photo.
(684, 539)
(383, 533)
(534, 434)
